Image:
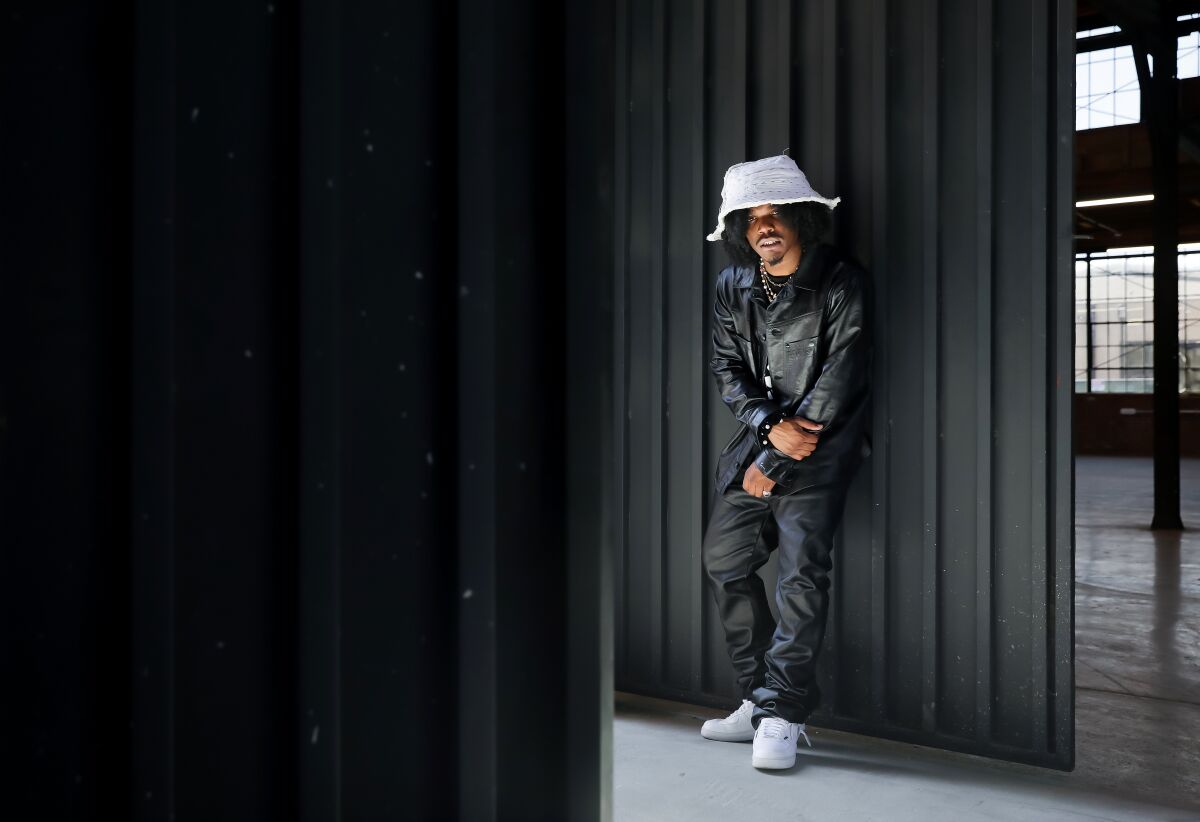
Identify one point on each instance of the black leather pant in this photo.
(775, 663)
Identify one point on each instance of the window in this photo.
(1106, 88)
(1114, 321)
(1106, 85)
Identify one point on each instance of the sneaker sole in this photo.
(719, 737)
(768, 762)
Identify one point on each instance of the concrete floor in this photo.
(1137, 646)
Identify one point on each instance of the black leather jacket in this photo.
(817, 338)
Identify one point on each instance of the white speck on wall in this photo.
(230, 155)
(521, 465)
(370, 147)
(429, 457)
(467, 594)
(429, 162)
(463, 291)
(420, 276)
(248, 354)
(315, 734)
(401, 366)
(195, 114)
(220, 645)
(270, 8)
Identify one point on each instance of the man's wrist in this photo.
(765, 427)
(774, 464)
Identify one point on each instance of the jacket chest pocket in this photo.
(797, 339)
(800, 357)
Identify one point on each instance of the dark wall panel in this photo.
(305, 410)
(232, 417)
(945, 127)
(65, 129)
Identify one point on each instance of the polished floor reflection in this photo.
(1137, 624)
(1137, 640)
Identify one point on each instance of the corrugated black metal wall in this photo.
(300, 511)
(947, 129)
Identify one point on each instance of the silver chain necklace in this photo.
(772, 291)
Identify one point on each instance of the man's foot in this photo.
(775, 742)
(734, 728)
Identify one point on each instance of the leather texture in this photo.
(775, 662)
(816, 337)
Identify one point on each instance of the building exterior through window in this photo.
(1114, 289)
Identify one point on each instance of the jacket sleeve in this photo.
(740, 391)
(844, 373)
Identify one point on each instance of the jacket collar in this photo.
(807, 276)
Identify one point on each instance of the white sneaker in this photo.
(775, 742)
(734, 728)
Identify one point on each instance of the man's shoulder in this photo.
(733, 276)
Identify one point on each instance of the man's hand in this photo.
(755, 482)
(795, 436)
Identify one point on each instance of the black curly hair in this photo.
(810, 221)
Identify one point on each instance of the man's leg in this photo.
(807, 520)
(738, 540)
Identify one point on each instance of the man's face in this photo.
(769, 236)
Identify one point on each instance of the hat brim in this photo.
(716, 235)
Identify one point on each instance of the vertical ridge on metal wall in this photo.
(931, 389)
(654, 252)
(697, 275)
(621, 140)
(319, 719)
(683, 322)
(726, 129)
(1039, 367)
(845, 660)
(880, 269)
(477, 269)
(984, 167)
(1015, 244)
(1060, 584)
(152, 525)
(830, 178)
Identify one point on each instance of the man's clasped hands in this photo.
(794, 436)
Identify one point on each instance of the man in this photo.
(791, 357)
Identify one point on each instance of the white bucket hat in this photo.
(769, 180)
